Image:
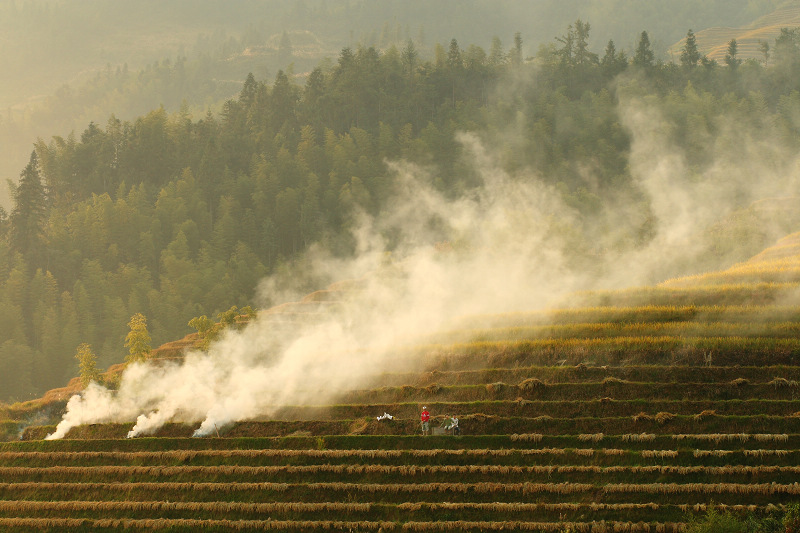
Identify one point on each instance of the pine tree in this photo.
(454, 56)
(28, 215)
(138, 339)
(409, 57)
(283, 102)
(644, 56)
(613, 63)
(87, 364)
(497, 55)
(247, 96)
(730, 57)
(690, 55)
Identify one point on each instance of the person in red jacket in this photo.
(425, 417)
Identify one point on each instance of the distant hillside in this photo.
(713, 42)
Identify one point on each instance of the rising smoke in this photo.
(494, 250)
(507, 245)
(746, 165)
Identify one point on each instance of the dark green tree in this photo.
(247, 96)
(410, 57)
(343, 92)
(731, 58)
(644, 57)
(27, 219)
(312, 105)
(613, 62)
(283, 103)
(690, 55)
(454, 61)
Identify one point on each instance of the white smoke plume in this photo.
(746, 165)
(495, 250)
(506, 246)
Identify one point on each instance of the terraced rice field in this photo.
(621, 411)
(713, 42)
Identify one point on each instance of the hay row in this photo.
(704, 488)
(525, 488)
(402, 470)
(741, 437)
(331, 525)
(659, 454)
(161, 506)
(191, 487)
(222, 507)
(750, 508)
(437, 453)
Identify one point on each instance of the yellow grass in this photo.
(741, 437)
(704, 488)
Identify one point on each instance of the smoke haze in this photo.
(510, 244)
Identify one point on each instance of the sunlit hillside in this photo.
(713, 42)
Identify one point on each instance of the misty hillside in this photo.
(67, 64)
(577, 159)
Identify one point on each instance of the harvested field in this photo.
(624, 411)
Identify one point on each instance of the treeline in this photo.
(175, 217)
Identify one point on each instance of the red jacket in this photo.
(425, 416)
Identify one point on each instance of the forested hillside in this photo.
(66, 64)
(176, 216)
